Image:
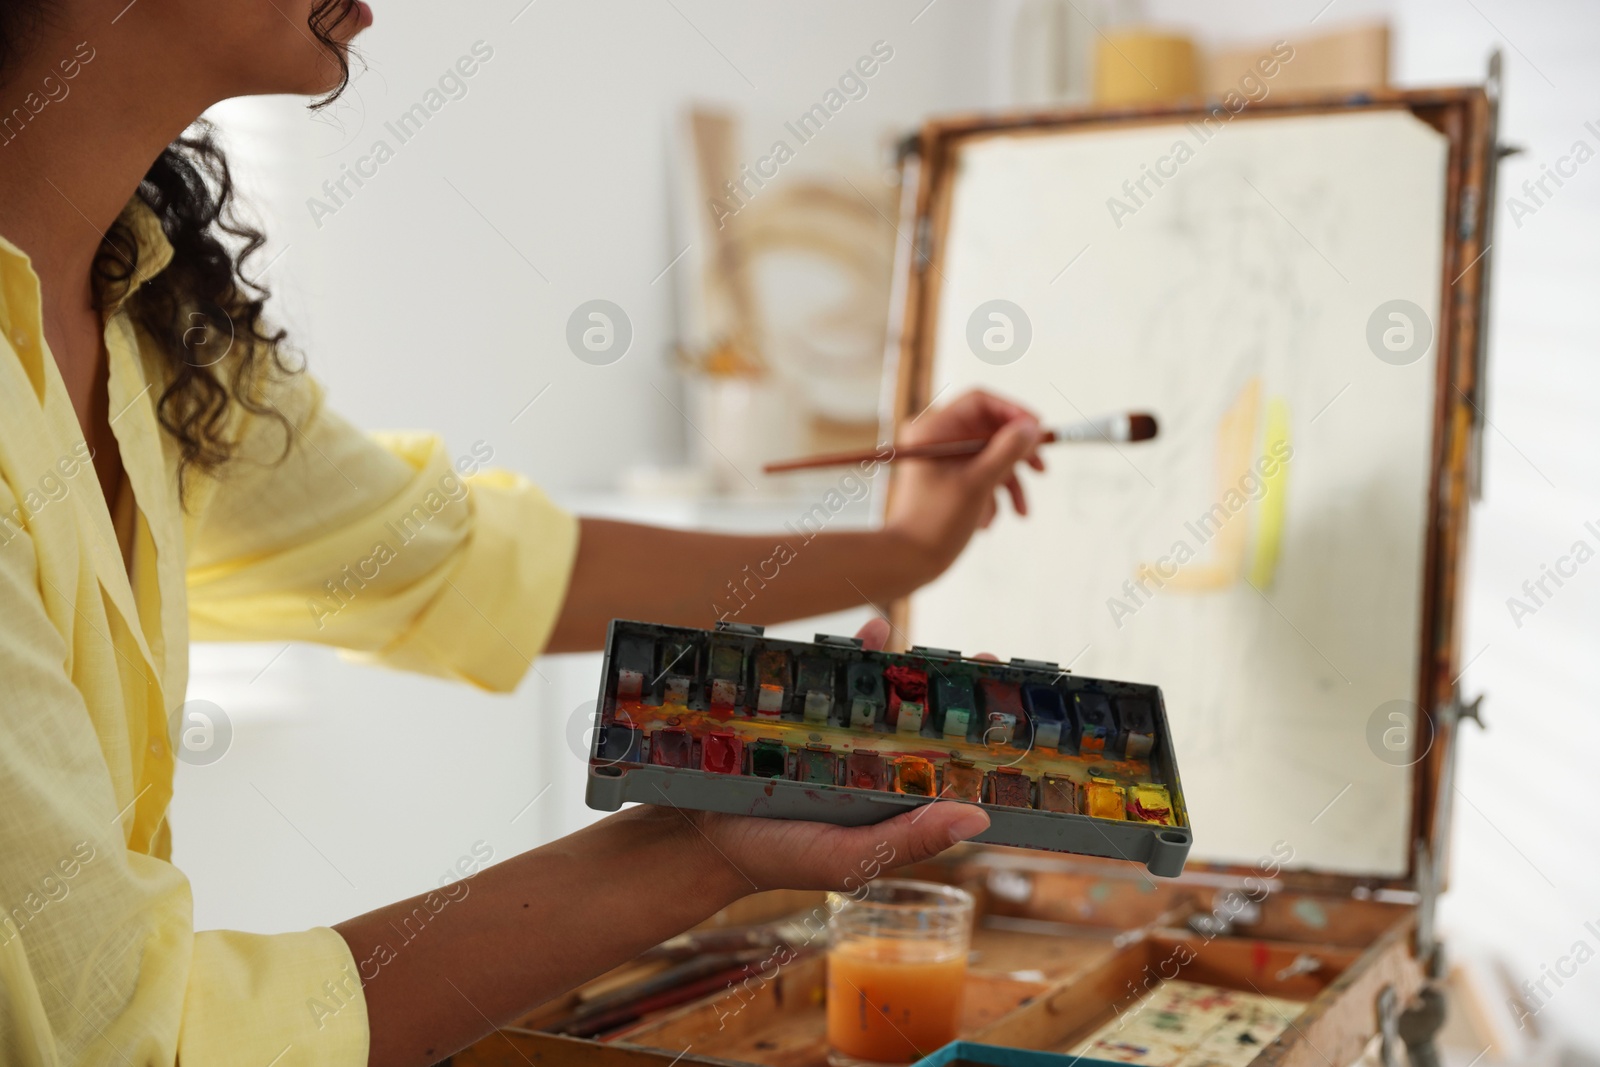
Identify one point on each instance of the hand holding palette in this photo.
(729, 720)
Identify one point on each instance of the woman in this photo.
(154, 490)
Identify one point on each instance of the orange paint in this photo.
(1105, 799)
(912, 774)
(893, 1000)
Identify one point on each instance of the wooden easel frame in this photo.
(1467, 118)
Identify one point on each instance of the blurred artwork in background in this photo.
(1110, 53)
(783, 307)
(787, 259)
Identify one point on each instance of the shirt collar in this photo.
(155, 251)
(20, 312)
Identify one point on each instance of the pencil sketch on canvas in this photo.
(1262, 561)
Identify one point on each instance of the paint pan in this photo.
(1149, 802)
(721, 752)
(1096, 723)
(1105, 799)
(954, 708)
(671, 746)
(1003, 711)
(680, 666)
(816, 687)
(774, 681)
(1138, 726)
(865, 770)
(817, 765)
(866, 695)
(727, 678)
(914, 775)
(769, 759)
(962, 781)
(1057, 792)
(1008, 787)
(906, 685)
(636, 667)
(617, 742)
(1047, 713)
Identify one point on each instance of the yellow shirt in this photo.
(369, 543)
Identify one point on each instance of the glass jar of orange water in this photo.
(897, 968)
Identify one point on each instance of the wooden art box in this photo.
(1297, 289)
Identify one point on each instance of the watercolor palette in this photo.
(729, 720)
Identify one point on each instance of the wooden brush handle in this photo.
(970, 446)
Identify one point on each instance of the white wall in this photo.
(418, 314)
(347, 787)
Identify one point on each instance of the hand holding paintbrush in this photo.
(971, 449)
(1125, 428)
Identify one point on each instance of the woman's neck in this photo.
(75, 142)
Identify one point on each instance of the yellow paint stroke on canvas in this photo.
(1236, 432)
(1269, 522)
(1226, 526)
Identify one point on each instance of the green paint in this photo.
(1310, 913)
(769, 759)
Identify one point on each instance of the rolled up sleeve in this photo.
(275, 993)
(382, 544)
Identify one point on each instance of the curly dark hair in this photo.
(202, 301)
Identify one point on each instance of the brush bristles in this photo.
(1141, 427)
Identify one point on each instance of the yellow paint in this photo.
(1269, 526)
(1226, 526)
(1236, 433)
(1106, 799)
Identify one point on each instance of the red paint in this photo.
(1002, 697)
(1008, 787)
(1163, 816)
(905, 683)
(671, 746)
(721, 752)
(864, 770)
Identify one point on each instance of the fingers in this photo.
(874, 634)
(1019, 500)
(1010, 444)
(979, 405)
(916, 835)
(972, 414)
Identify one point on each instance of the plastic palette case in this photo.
(729, 720)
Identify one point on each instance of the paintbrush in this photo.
(674, 977)
(630, 1014)
(1124, 428)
